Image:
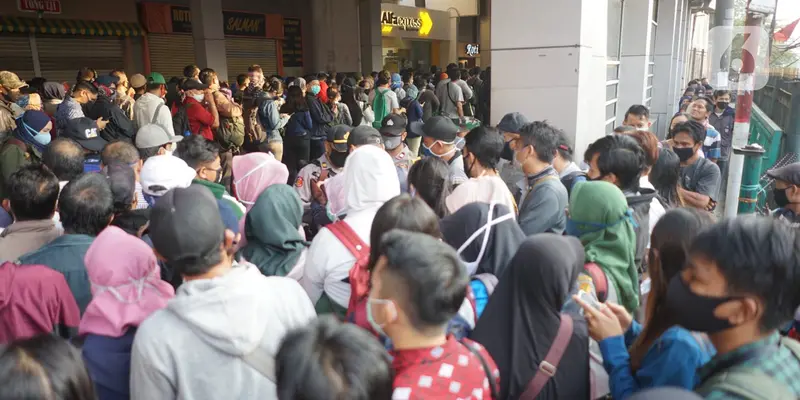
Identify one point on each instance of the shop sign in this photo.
(421, 23)
(472, 50)
(40, 6)
(292, 43)
(181, 19)
(244, 24)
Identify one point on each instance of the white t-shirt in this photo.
(391, 99)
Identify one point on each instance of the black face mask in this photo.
(780, 197)
(684, 153)
(722, 105)
(508, 153)
(468, 167)
(693, 311)
(337, 158)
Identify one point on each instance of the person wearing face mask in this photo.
(722, 119)
(482, 150)
(150, 107)
(71, 108)
(786, 193)
(201, 109)
(638, 117)
(439, 140)
(739, 287)
(394, 134)
(25, 146)
(121, 98)
(10, 84)
(700, 178)
(252, 174)
(203, 156)
(418, 285)
(321, 117)
(153, 140)
(326, 166)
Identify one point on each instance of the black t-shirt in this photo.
(702, 177)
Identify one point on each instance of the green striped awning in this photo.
(10, 24)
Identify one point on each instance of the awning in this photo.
(10, 24)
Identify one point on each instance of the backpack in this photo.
(379, 107)
(748, 383)
(180, 122)
(230, 134)
(571, 179)
(359, 274)
(599, 280)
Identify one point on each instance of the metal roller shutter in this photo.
(60, 57)
(244, 52)
(169, 54)
(16, 56)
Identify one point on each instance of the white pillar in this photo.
(678, 57)
(550, 67)
(637, 31)
(452, 38)
(209, 35)
(369, 17)
(662, 103)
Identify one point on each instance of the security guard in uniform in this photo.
(393, 133)
(326, 166)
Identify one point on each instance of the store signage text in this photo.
(472, 50)
(422, 23)
(235, 23)
(44, 6)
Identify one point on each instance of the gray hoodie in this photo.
(193, 348)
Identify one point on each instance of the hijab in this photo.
(29, 125)
(273, 241)
(126, 287)
(599, 216)
(252, 174)
(487, 250)
(53, 91)
(522, 317)
(370, 178)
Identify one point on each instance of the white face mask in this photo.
(240, 180)
(472, 266)
(199, 97)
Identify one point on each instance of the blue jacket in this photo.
(65, 254)
(672, 360)
(300, 124)
(413, 113)
(321, 117)
(108, 360)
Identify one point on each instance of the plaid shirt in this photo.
(781, 365)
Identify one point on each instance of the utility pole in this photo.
(723, 17)
(744, 104)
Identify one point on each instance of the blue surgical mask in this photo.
(426, 151)
(315, 90)
(39, 137)
(378, 328)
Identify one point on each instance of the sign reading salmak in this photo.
(244, 24)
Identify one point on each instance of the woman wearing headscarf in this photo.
(252, 174)
(26, 144)
(274, 244)
(397, 86)
(53, 94)
(126, 289)
(599, 216)
(521, 321)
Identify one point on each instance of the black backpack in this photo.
(180, 121)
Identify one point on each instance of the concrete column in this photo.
(662, 103)
(209, 35)
(452, 37)
(369, 21)
(485, 38)
(565, 60)
(721, 59)
(636, 34)
(677, 57)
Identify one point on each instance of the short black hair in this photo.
(664, 176)
(638, 110)
(758, 256)
(402, 212)
(197, 150)
(620, 155)
(122, 181)
(543, 137)
(84, 86)
(486, 144)
(709, 103)
(329, 359)
(694, 129)
(425, 276)
(431, 179)
(65, 158)
(33, 193)
(241, 78)
(564, 148)
(207, 75)
(86, 204)
(721, 92)
(119, 152)
(148, 152)
(43, 367)
(188, 71)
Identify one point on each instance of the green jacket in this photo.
(13, 156)
(220, 193)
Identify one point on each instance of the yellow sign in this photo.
(426, 25)
(423, 23)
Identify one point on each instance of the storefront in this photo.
(414, 37)
(45, 42)
(250, 38)
(468, 54)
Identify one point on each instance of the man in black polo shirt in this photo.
(439, 140)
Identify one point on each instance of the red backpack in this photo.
(359, 274)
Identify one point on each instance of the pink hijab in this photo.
(126, 287)
(252, 174)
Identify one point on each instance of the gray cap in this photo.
(152, 135)
(789, 173)
(512, 123)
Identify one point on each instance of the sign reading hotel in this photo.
(43, 6)
(421, 23)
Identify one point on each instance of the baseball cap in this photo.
(193, 84)
(84, 131)
(512, 123)
(789, 173)
(186, 226)
(11, 80)
(155, 77)
(138, 80)
(392, 129)
(152, 135)
(165, 172)
(338, 137)
(107, 80)
(439, 128)
(364, 135)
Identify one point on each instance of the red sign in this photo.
(46, 6)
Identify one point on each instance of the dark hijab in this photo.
(349, 98)
(504, 237)
(522, 317)
(53, 91)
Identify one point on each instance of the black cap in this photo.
(363, 135)
(439, 128)
(512, 123)
(84, 131)
(338, 137)
(185, 225)
(393, 125)
(789, 174)
(190, 84)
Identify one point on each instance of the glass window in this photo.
(611, 111)
(611, 91)
(615, 10)
(612, 71)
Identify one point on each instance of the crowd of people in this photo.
(372, 237)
